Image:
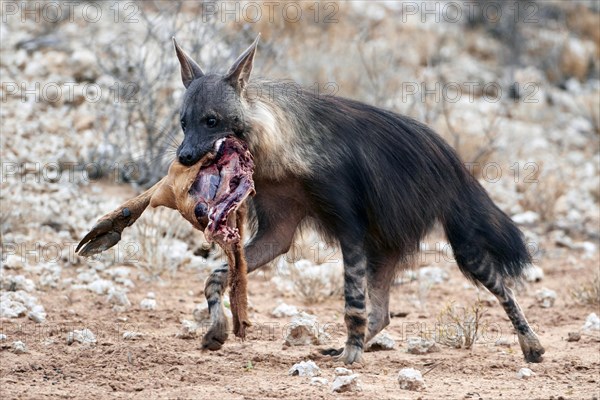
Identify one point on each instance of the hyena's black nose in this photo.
(186, 158)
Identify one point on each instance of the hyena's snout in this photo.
(188, 155)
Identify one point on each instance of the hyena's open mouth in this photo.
(220, 187)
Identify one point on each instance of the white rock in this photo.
(11, 309)
(341, 371)
(151, 295)
(17, 282)
(188, 329)
(2, 337)
(19, 347)
(592, 322)
(418, 345)
(118, 297)
(411, 379)
(382, 341)
(284, 310)
(130, 335)
(13, 261)
(316, 381)
(37, 314)
(545, 297)
(83, 336)
(534, 273)
(100, 286)
(148, 304)
(16, 304)
(433, 275)
(305, 368)
(302, 330)
(525, 373)
(346, 383)
(526, 218)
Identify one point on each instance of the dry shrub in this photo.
(313, 267)
(156, 236)
(459, 326)
(540, 193)
(474, 151)
(588, 292)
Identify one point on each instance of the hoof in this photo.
(350, 355)
(215, 337)
(532, 348)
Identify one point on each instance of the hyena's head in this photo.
(212, 107)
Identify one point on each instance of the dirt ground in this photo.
(159, 365)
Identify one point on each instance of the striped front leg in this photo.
(355, 313)
(213, 291)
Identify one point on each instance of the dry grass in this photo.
(459, 326)
(587, 292)
(155, 235)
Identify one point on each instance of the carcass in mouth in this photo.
(219, 189)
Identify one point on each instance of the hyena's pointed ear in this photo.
(239, 73)
(190, 70)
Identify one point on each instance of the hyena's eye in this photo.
(211, 122)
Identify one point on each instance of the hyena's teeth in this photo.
(218, 145)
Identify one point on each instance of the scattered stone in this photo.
(305, 368)
(2, 337)
(592, 322)
(284, 310)
(525, 373)
(151, 295)
(130, 335)
(504, 342)
(382, 341)
(534, 274)
(17, 282)
(526, 218)
(188, 330)
(545, 297)
(411, 379)
(19, 347)
(573, 337)
(346, 383)
(16, 304)
(316, 381)
(302, 330)
(83, 336)
(433, 275)
(118, 298)
(37, 314)
(148, 304)
(100, 286)
(418, 345)
(341, 371)
(13, 261)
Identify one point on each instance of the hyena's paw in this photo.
(350, 355)
(331, 351)
(216, 336)
(532, 348)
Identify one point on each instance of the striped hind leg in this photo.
(380, 275)
(495, 283)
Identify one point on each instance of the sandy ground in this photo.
(159, 365)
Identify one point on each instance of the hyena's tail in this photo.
(485, 241)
